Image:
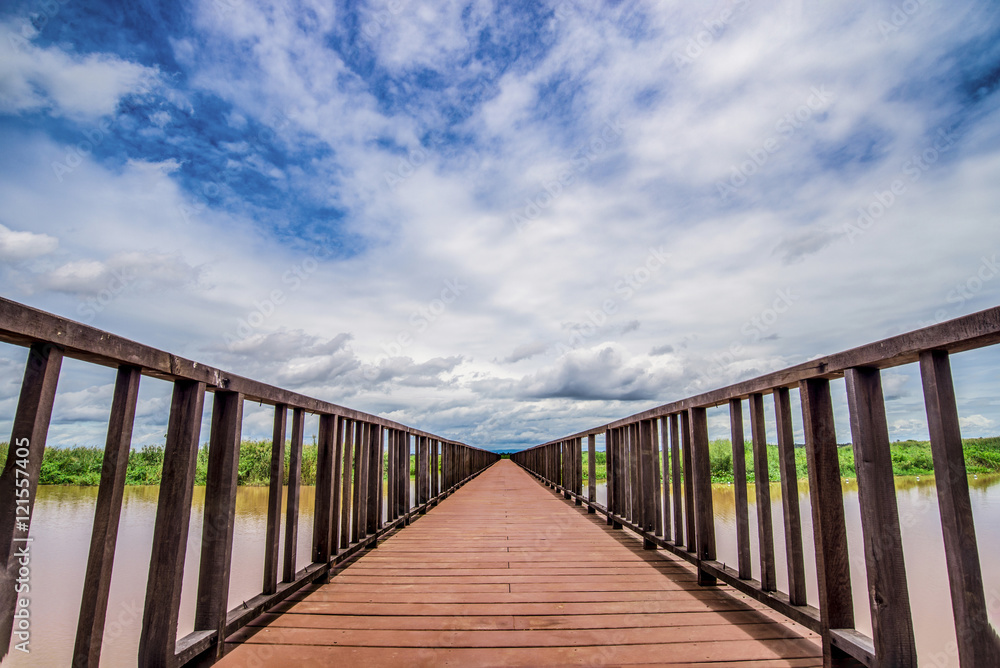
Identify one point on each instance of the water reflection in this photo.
(63, 518)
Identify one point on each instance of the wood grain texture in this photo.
(791, 514)
(765, 530)
(892, 624)
(585, 595)
(275, 489)
(740, 489)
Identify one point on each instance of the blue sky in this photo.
(499, 221)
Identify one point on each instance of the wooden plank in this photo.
(892, 625)
(740, 489)
(833, 566)
(647, 500)
(219, 515)
(348, 473)
(765, 530)
(392, 450)
(578, 478)
(363, 479)
(978, 644)
(665, 447)
(702, 484)
(170, 531)
(657, 492)
(357, 493)
(377, 445)
(400, 608)
(790, 497)
(274, 491)
(104, 535)
(294, 492)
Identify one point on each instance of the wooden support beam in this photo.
(790, 498)
(170, 531)
(765, 529)
(978, 644)
(294, 494)
(740, 489)
(702, 474)
(104, 535)
(892, 625)
(348, 476)
(275, 488)
(220, 514)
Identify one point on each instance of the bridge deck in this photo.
(504, 572)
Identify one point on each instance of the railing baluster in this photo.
(762, 484)
(790, 498)
(833, 566)
(435, 472)
(274, 492)
(657, 494)
(348, 473)
(375, 480)
(978, 644)
(392, 492)
(363, 482)
(31, 426)
(740, 488)
(579, 469)
(892, 626)
(405, 472)
(357, 495)
(170, 532)
(634, 506)
(294, 492)
(702, 474)
(104, 536)
(610, 473)
(338, 466)
(665, 447)
(220, 515)
(675, 472)
(689, 501)
(592, 470)
(323, 504)
(650, 498)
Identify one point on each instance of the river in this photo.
(62, 520)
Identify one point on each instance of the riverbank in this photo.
(81, 465)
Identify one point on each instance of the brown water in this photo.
(63, 515)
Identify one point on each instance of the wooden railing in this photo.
(678, 515)
(349, 484)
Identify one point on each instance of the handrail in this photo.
(349, 484)
(678, 515)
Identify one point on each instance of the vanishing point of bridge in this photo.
(497, 562)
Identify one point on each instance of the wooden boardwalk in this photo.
(505, 572)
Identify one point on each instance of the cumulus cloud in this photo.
(23, 245)
(34, 78)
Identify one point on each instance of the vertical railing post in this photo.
(790, 498)
(405, 474)
(592, 470)
(376, 443)
(435, 469)
(338, 467)
(675, 479)
(648, 500)
(27, 445)
(170, 532)
(689, 501)
(833, 566)
(665, 447)
(978, 644)
(363, 481)
(323, 506)
(104, 535)
(274, 492)
(892, 625)
(393, 474)
(294, 494)
(219, 517)
(765, 530)
(634, 482)
(702, 474)
(348, 474)
(656, 493)
(740, 488)
(357, 494)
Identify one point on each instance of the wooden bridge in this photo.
(509, 562)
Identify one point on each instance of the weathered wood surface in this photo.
(504, 572)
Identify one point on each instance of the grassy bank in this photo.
(82, 465)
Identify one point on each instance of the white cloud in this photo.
(21, 245)
(33, 78)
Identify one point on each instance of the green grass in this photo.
(82, 465)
